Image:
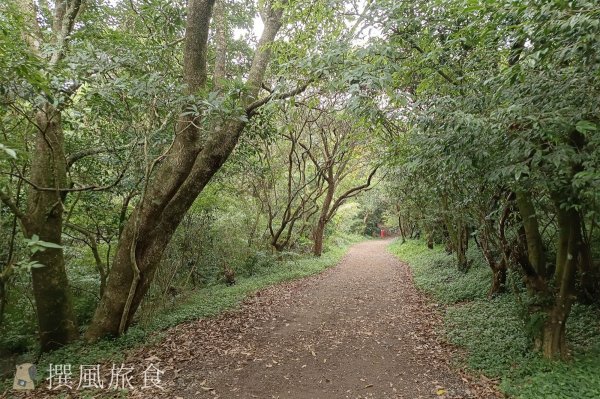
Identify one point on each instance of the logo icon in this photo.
(24, 377)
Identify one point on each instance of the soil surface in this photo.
(359, 330)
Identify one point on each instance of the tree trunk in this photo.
(186, 169)
(221, 33)
(402, 234)
(554, 339)
(319, 232)
(56, 319)
(148, 232)
(498, 279)
(535, 246)
(54, 308)
(449, 245)
(430, 239)
(462, 236)
(498, 266)
(589, 277)
(319, 235)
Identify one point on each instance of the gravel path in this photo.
(359, 330)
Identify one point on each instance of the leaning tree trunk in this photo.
(146, 236)
(187, 168)
(56, 319)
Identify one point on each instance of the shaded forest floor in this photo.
(358, 330)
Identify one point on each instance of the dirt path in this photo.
(359, 330)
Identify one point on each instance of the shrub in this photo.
(494, 332)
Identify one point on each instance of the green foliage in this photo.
(84, 283)
(215, 299)
(438, 275)
(8, 151)
(17, 332)
(493, 333)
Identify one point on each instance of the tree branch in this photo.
(352, 192)
(251, 109)
(11, 205)
(72, 190)
(91, 241)
(71, 159)
(421, 51)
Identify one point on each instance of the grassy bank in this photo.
(205, 302)
(494, 332)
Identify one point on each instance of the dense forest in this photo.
(152, 149)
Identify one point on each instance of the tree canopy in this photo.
(150, 147)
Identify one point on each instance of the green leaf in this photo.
(47, 244)
(585, 126)
(35, 244)
(9, 151)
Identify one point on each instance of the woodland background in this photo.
(154, 153)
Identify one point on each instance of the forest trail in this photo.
(359, 330)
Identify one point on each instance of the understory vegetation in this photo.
(209, 301)
(151, 150)
(494, 331)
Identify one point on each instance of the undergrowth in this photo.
(205, 302)
(494, 334)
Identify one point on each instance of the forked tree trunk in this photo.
(319, 232)
(56, 320)
(569, 243)
(187, 168)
